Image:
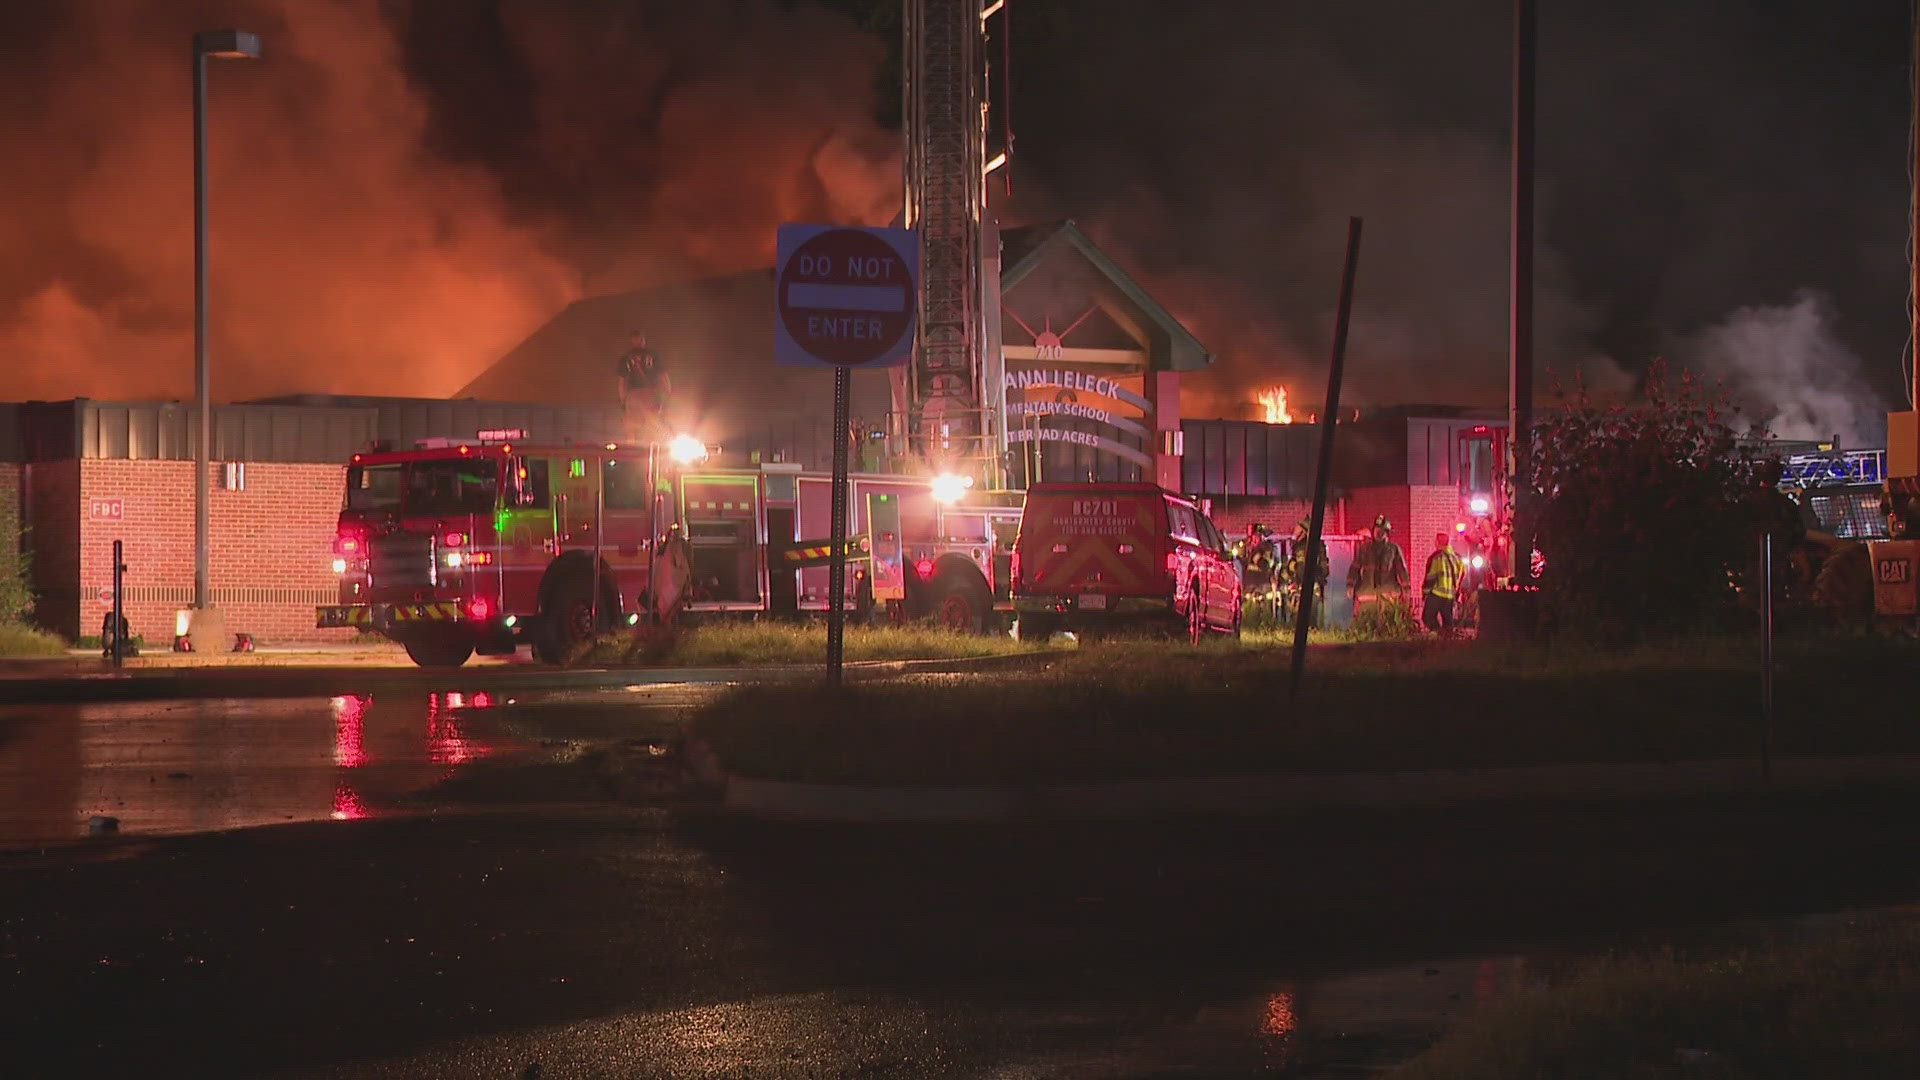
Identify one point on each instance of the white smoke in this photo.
(1786, 368)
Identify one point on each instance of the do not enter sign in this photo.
(845, 297)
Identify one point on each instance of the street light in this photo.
(223, 45)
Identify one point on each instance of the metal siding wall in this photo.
(1236, 461)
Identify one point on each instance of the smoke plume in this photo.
(1787, 369)
(392, 208)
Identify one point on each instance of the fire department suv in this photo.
(1092, 557)
(455, 547)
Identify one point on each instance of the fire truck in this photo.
(483, 545)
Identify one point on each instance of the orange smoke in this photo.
(349, 251)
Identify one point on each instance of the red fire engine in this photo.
(457, 547)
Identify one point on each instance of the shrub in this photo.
(1638, 510)
(16, 588)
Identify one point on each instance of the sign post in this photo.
(119, 604)
(844, 298)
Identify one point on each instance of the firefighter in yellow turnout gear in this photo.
(1444, 573)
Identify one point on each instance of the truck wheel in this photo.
(439, 652)
(959, 606)
(566, 618)
(1844, 588)
(1196, 615)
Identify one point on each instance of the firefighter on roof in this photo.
(1379, 575)
(644, 387)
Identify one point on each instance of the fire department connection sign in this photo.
(845, 297)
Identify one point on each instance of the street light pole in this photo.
(228, 45)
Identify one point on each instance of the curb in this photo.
(1254, 796)
(26, 687)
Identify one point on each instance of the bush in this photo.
(1639, 510)
(19, 639)
(16, 583)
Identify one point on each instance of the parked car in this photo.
(1092, 558)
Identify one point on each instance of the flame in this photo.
(1273, 402)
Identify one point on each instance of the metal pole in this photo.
(1520, 306)
(1323, 470)
(837, 560)
(1766, 656)
(599, 515)
(119, 609)
(203, 388)
(653, 537)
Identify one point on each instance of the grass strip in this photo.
(19, 639)
(1845, 1006)
(1141, 710)
(730, 643)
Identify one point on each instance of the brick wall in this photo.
(1233, 514)
(269, 558)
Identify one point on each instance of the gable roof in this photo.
(1024, 249)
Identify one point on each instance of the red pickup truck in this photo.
(1097, 557)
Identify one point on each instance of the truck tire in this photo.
(1843, 590)
(567, 618)
(1196, 615)
(960, 605)
(439, 651)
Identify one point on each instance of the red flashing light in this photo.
(479, 558)
(464, 449)
(1479, 429)
(1459, 526)
(454, 539)
(924, 568)
(480, 608)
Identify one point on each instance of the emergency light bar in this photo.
(504, 434)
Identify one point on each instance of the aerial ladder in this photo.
(949, 401)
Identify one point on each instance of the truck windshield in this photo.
(465, 486)
(374, 487)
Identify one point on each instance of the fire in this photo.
(1273, 402)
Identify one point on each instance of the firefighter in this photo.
(1257, 563)
(1379, 573)
(644, 387)
(1303, 579)
(1444, 573)
(1772, 511)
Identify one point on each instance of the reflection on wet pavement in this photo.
(192, 766)
(1351, 1022)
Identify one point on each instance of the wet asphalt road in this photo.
(444, 903)
(179, 766)
(668, 942)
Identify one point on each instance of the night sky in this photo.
(407, 190)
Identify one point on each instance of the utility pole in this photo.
(224, 45)
(1520, 303)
